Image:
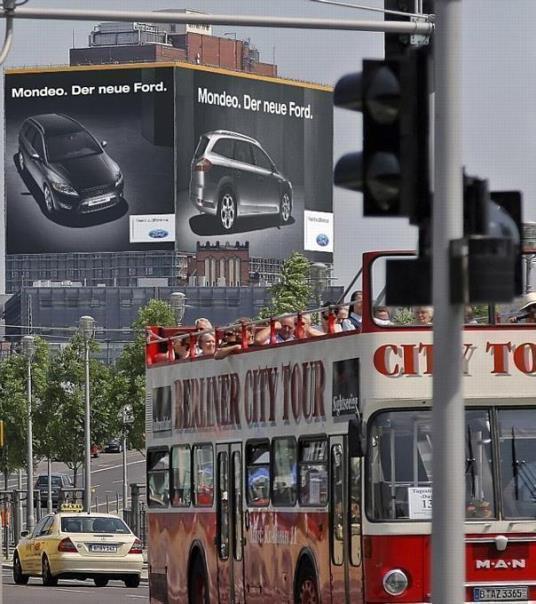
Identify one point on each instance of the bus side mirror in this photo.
(356, 440)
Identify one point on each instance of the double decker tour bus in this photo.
(302, 471)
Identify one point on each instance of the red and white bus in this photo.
(302, 471)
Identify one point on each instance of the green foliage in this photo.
(14, 401)
(293, 292)
(128, 384)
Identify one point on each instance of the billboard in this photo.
(253, 157)
(89, 160)
(147, 157)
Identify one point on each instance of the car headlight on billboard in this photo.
(62, 187)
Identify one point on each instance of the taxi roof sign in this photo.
(71, 507)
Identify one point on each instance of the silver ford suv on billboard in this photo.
(68, 164)
(232, 176)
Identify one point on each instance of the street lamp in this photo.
(177, 301)
(318, 275)
(87, 331)
(528, 242)
(127, 419)
(28, 348)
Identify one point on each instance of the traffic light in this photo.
(392, 171)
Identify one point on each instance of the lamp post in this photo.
(87, 329)
(177, 301)
(528, 242)
(126, 419)
(318, 275)
(28, 348)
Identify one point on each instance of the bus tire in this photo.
(197, 582)
(306, 585)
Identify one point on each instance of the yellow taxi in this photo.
(72, 544)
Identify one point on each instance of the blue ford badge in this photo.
(158, 233)
(322, 239)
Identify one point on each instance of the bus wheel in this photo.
(307, 592)
(197, 583)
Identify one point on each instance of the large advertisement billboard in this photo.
(149, 157)
(254, 163)
(89, 160)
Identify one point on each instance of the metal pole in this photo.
(29, 452)
(125, 480)
(395, 27)
(87, 434)
(19, 500)
(49, 486)
(448, 550)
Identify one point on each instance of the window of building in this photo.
(285, 471)
(258, 473)
(158, 478)
(181, 476)
(203, 475)
(313, 468)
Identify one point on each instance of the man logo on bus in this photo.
(519, 563)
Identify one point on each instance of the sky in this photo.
(498, 90)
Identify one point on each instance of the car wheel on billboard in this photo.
(49, 200)
(285, 208)
(227, 209)
(20, 160)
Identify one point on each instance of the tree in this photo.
(293, 292)
(128, 384)
(14, 402)
(60, 416)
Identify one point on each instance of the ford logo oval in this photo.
(322, 240)
(158, 233)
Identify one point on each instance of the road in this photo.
(70, 591)
(106, 477)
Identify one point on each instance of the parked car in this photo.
(232, 176)
(59, 481)
(113, 446)
(68, 165)
(71, 545)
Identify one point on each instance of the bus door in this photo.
(229, 535)
(345, 522)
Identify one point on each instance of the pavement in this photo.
(144, 577)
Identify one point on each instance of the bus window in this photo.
(258, 473)
(284, 475)
(203, 475)
(517, 434)
(313, 467)
(158, 478)
(181, 477)
(355, 511)
(337, 501)
(223, 506)
(237, 505)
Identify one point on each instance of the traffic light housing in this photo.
(392, 171)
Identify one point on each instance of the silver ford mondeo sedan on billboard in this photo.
(232, 176)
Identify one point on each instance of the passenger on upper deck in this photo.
(527, 313)
(356, 310)
(232, 338)
(202, 324)
(382, 316)
(284, 331)
(342, 318)
(424, 315)
(181, 348)
(207, 344)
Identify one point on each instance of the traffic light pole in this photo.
(448, 549)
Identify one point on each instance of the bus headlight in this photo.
(395, 582)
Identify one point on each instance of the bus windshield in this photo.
(400, 464)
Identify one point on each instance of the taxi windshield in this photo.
(88, 524)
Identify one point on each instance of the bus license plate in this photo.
(500, 594)
(103, 547)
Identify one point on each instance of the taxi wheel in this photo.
(48, 579)
(101, 581)
(18, 577)
(132, 581)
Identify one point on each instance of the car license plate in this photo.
(501, 594)
(103, 548)
(99, 201)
